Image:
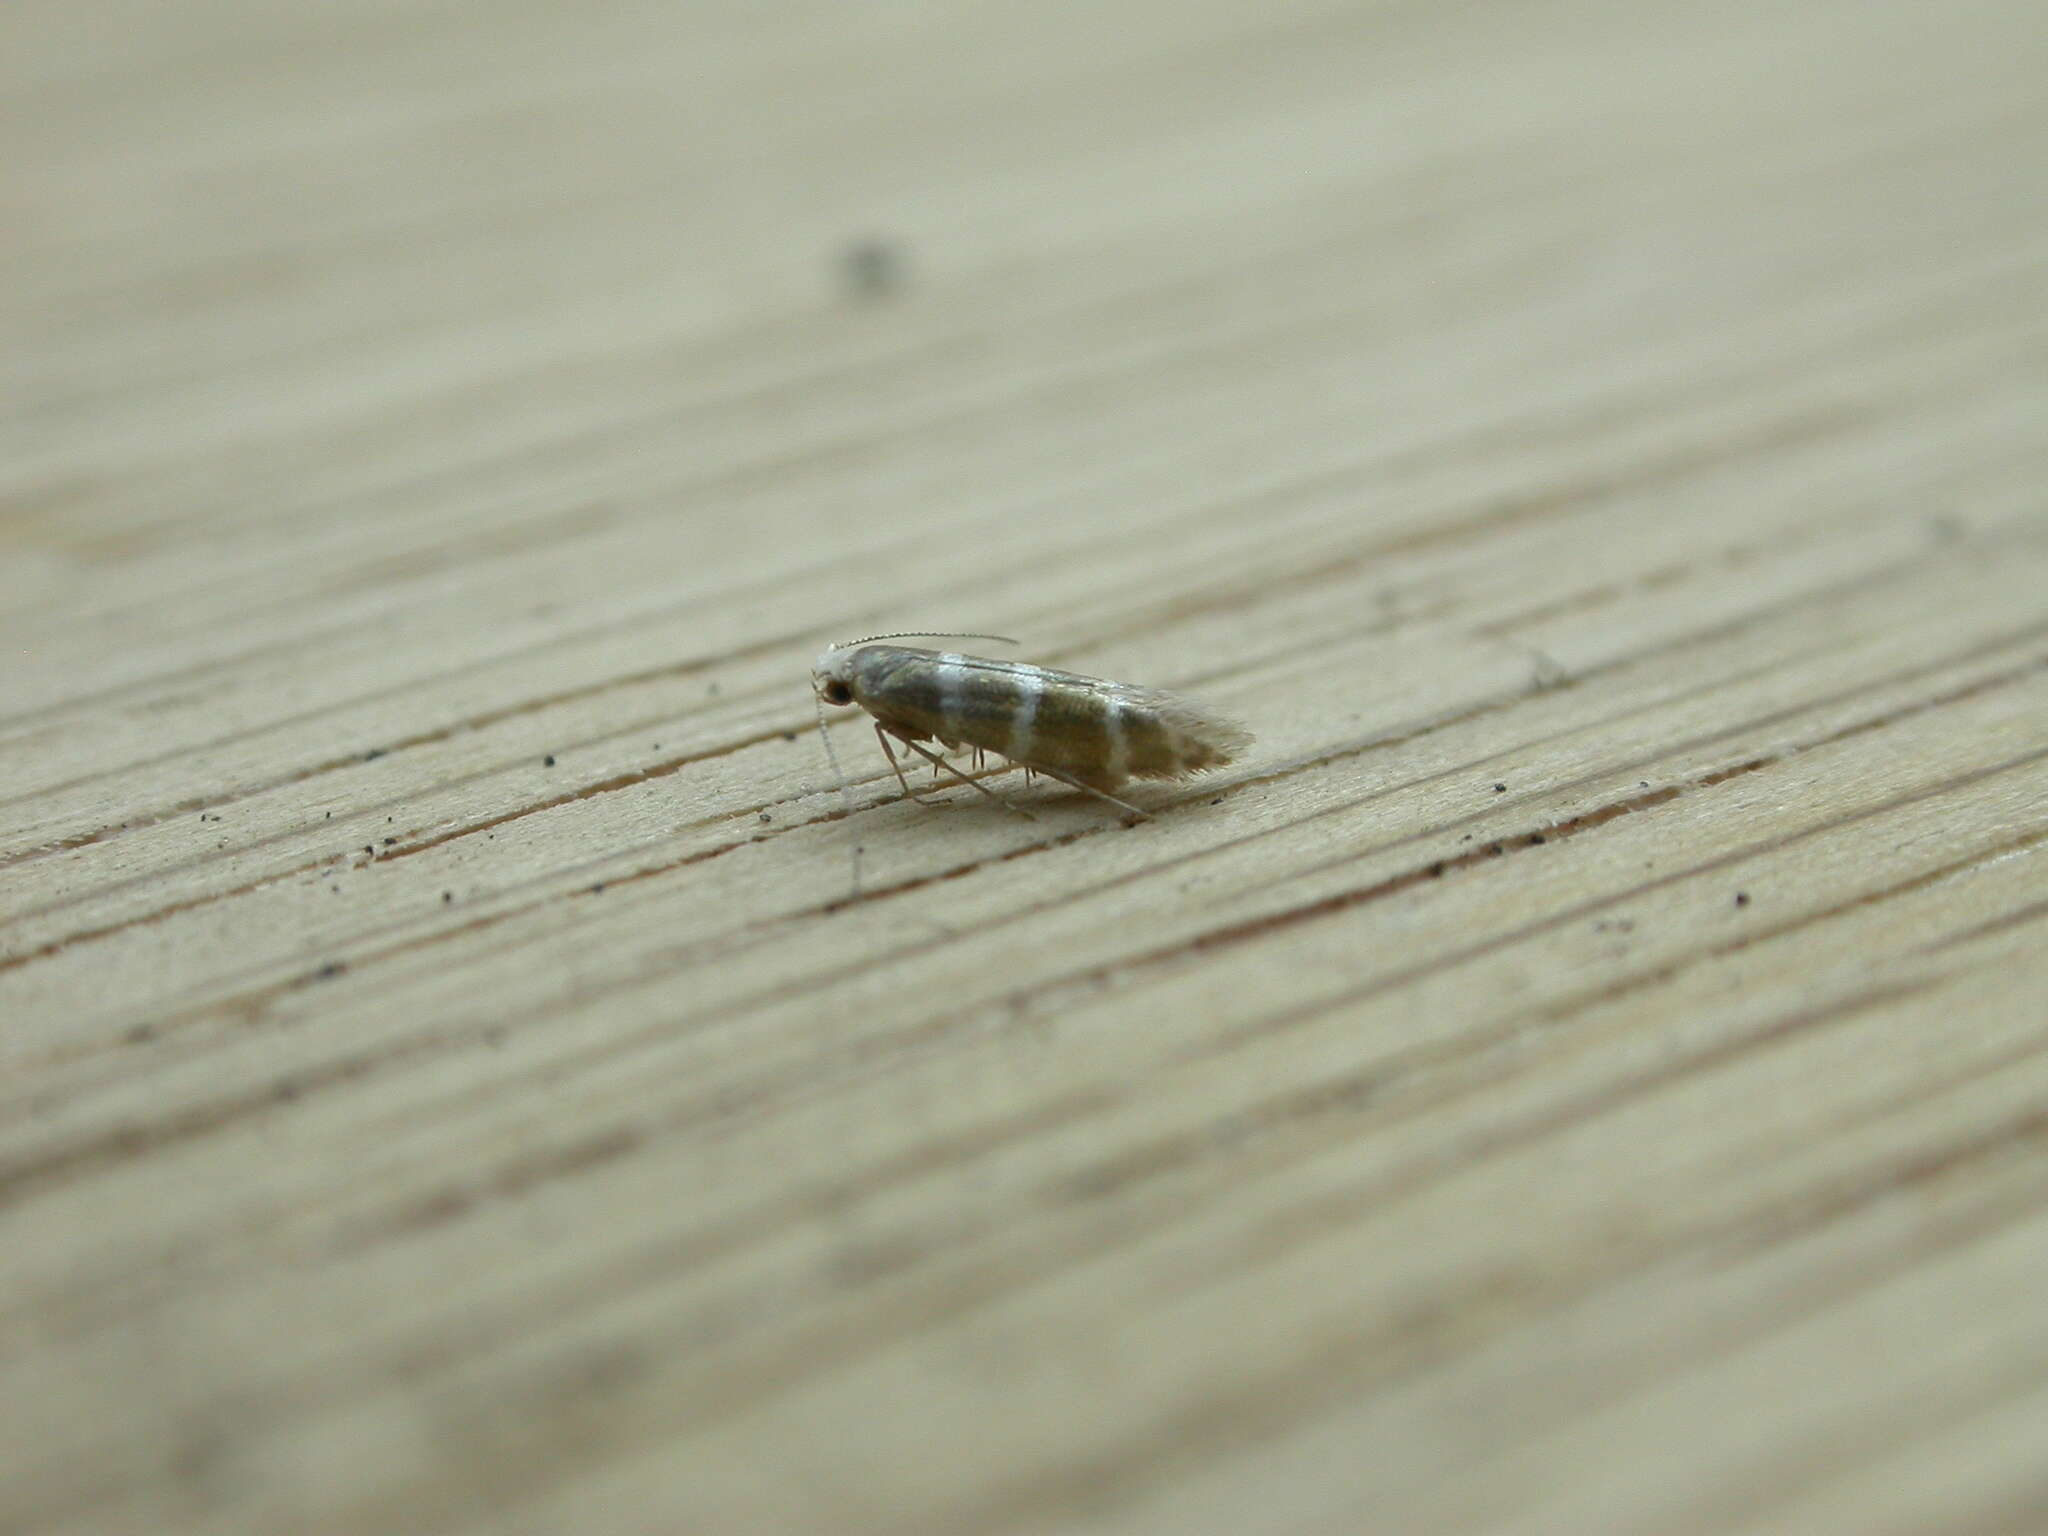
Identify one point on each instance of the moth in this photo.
(1087, 732)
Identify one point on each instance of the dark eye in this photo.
(836, 692)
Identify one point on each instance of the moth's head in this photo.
(832, 675)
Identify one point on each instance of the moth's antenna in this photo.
(926, 634)
(845, 794)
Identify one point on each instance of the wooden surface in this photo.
(1588, 1070)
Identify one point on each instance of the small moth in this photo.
(1087, 732)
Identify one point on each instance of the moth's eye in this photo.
(836, 692)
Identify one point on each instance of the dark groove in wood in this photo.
(1231, 934)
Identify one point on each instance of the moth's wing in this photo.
(917, 716)
(1197, 736)
(1047, 674)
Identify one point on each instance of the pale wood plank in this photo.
(1585, 1071)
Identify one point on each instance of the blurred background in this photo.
(805, 274)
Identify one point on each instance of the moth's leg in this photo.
(890, 752)
(938, 762)
(1123, 805)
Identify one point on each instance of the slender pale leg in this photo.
(1123, 805)
(890, 752)
(938, 762)
(1132, 812)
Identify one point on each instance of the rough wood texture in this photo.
(1587, 1071)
